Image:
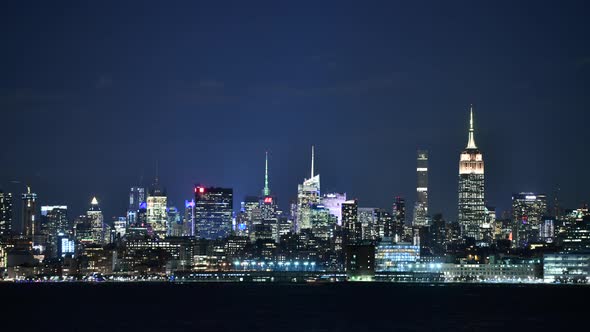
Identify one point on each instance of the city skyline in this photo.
(284, 203)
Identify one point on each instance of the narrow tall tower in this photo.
(421, 206)
(312, 161)
(471, 205)
(266, 190)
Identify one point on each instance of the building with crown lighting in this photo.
(472, 214)
(308, 195)
(95, 220)
(421, 205)
(157, 215)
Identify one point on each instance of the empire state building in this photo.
(471, 189)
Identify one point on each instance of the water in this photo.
(293, 307)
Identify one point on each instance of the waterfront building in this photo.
(566, 267)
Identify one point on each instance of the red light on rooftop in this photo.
(268, 200)
(201, 190)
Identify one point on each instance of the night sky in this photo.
(93, 94)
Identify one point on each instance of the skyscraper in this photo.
(54, 221)
(213, 212)
(136, 197)
(350, 223)
(95, 219)
(308, 194)
(157, 202)
(333, 202)
(29, 211)
(421, 206)
(471, 205)
(399, 219)
(5, 214)
(528, 210)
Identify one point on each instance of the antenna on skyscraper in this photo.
(312, 160)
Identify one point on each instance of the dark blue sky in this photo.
(93, 93)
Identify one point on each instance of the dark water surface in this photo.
(293, 307)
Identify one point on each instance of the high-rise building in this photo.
(308, 195)
(528, 210)
(421, 206)
(29, 213)
(189, 217)
(54, 221)
(333, 202)
(5, 214)
(136, 197)
(350, 223)
(399, 219)
(156, 209)
(96, 221)
(213, 212)
(368, 220)
(471, 205)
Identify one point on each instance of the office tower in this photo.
(136, 197)
(120, 228)
(54, 221)
(385, 225)
(96, 221)
(438, 234)
(213, 212)
(421, 206)
(308, 194)
(189, 217)
(156, 209)
(368, 219)
(547, 230)
(322, 222)
(29, 211)
(350, 222)
(174, 224)
(5, 214)
(471, 205)
(528, 210)
(399, 219)
(333, 202)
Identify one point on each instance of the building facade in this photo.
(471, 205)
(528, 210)
(213, 212)
(421, 205)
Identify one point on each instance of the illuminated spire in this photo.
(471, 142)
(94, 201)
(266, 190)
(312, 159)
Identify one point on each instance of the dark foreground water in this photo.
(293, 307)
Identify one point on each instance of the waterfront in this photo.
(294, 307)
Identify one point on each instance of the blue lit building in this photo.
(389, 254)
(213, 212)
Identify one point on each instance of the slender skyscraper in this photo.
(266, 190)
(136, 197)
(421, 206)
(5, 214)
(308, 195)
(29, 211)
(350, 222)
(472, 213)
(95, 220)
